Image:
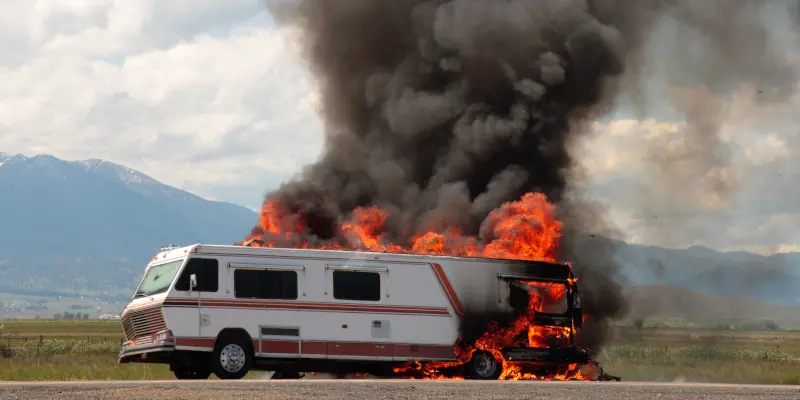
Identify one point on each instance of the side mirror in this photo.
(192, 282)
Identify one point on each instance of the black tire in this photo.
(232, 357)
(183, 372)
(483, 366)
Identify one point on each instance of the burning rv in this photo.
(227, 310)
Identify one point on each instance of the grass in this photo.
(61, 347)
(752, 372)
(71, 350)
(78, 367)
(701, 364)
(668, 354)
(104, 330)
(704, 355)
(88, 350)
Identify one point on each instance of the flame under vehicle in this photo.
(228, 310)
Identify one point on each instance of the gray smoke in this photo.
(704, 54)
(438, 111)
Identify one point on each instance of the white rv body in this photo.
(414, 314)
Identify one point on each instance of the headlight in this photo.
(163, 336)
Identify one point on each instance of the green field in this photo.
(762, 357)
(88, 350)
(70, 350)
(93, 329)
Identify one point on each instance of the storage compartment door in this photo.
(279, 341)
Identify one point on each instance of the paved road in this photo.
(386, 389)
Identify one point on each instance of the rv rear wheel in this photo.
(232, 357)
(484, 366)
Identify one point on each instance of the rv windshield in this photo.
(158, 278)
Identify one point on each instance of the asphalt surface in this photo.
(385, 389)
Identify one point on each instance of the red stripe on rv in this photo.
(352, 349)
(360, 349)
(142, 306)
(363, 349)
(195, 342)
(307, 306)
(312, 347)
(423, 351)
(312, 304)
(280, 347)
(451, 294)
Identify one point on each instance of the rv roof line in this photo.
(376, 253)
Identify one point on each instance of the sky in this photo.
(212, 97)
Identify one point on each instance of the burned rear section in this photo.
(540, 324)
(547, 296)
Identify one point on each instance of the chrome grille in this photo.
(143, 322)
(144, 340)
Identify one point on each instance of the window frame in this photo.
(200, 289)
(299, 268)
(383, 280)
(267, 270)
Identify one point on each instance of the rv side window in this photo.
(207, 271)
(353, 285)
(265, 284)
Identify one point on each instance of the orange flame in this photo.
(524, 230)
(521, 230)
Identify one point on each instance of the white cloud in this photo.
(211, 96)
(770, 148)
(676, 203)
(203, 95)
(615, 147)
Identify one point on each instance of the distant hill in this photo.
(91, 226)
(774, 278)
(661, 301)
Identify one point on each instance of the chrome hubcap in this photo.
(232, 358)
(485, 365)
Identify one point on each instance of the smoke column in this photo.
(439, 111)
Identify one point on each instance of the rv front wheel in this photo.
(232, 357)
(484, 366)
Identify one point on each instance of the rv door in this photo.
(199, 280)
(188, 316)
(207, 270)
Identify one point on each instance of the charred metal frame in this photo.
(572, 317)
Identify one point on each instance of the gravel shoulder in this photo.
(384, 389)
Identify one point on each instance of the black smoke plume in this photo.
(439, 111)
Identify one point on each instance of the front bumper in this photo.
(569, 355)
(146, 353)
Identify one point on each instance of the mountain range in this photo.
(89, 227)
(774, 278)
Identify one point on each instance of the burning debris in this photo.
(449, 128)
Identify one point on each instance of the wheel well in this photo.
(235, 333)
